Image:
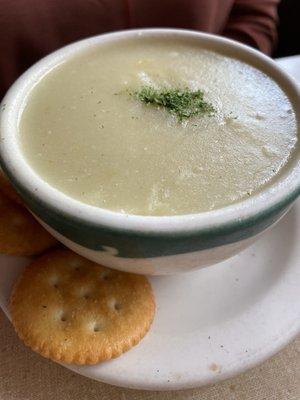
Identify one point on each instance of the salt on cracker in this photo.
(72, 310)
(20, 233)
(7, 188)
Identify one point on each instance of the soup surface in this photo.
(85, 132)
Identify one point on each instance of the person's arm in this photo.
(254, 22)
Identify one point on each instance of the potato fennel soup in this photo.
(157, 127)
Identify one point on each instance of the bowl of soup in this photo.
(154, 151)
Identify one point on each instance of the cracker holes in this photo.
(54, 281)
(97, 327)
(61, 315)
(114, 305)
(85, 293)
(76, 264)
(104, 275)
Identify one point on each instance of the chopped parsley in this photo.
(184, 103)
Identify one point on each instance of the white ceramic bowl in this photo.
(146, 244)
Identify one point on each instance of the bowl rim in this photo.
(274, 197)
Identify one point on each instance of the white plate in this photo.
(210, 324)
(291, 65)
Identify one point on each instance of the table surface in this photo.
(25, 375)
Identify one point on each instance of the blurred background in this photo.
(288, 29)
(31, 29)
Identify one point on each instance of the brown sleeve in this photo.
(30, 29)
(254, 23)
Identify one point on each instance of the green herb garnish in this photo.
(184, 103)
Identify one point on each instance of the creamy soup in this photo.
(86, 132)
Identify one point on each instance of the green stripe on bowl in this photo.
(148, 244)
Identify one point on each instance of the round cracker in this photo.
(20, 233)
(72, 310)
(7, 188)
